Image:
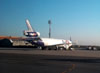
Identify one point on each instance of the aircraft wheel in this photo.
(94, 48)
(60, 48)
(40, 48)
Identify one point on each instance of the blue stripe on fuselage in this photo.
(32, 34)
(38, 43)
(35, 41)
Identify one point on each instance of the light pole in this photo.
(49, 22)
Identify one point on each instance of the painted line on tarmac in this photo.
(70, 69)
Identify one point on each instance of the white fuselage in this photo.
(57, 42)
(51, 41)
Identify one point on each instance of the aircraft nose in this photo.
(67, 42)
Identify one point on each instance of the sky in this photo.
(79, 19)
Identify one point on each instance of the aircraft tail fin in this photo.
(30, 32)
(29, 26)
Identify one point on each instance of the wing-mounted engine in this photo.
(67, 44)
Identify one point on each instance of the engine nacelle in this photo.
(31, 34)
(38, 34)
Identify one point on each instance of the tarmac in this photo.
(49, 61)
(34, 51)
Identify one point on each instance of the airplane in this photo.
(34, 38)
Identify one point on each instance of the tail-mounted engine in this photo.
(31, 34)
